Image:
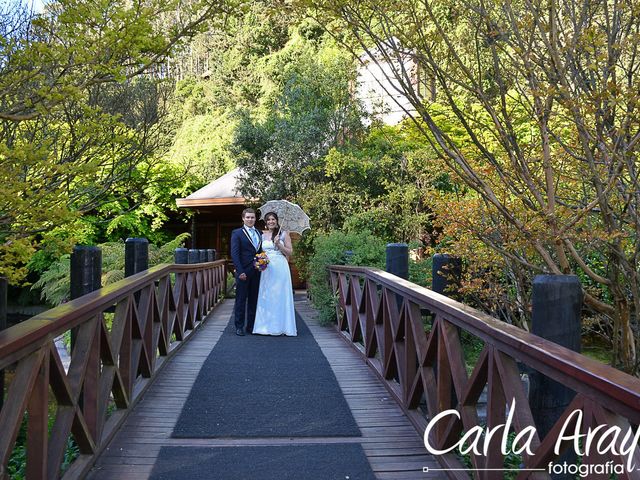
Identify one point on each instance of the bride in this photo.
(275, 313)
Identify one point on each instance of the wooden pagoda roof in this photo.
(222, 191)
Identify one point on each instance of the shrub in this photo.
(55, 282)
(329, 249)
(420, 271)
(230, 291)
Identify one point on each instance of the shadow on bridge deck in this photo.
(392, 446)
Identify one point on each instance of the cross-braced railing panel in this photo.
(426, 371)
(122, 334)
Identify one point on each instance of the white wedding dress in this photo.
(275, 314)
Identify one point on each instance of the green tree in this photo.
(218, 75)
(306, 108)
(546, 94)
(69, 133)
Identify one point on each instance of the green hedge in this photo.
(329, 249)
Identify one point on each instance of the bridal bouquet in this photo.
(261, 261)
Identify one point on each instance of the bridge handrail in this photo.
(153, 313)
(34, 332)
(385, 313)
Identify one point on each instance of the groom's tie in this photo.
(254, 237)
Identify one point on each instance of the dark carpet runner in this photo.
(309, 462)
(259, 386)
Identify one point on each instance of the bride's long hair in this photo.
(276, 230)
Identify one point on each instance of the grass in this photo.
(16, 467)
(598, 353)
(597, 348)
(511, 460)
(471, 346)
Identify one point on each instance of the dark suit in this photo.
(242, 254)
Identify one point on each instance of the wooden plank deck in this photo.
(393, 447)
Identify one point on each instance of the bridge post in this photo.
(397, 256)
(181, 255)
(446, 271)
(136, 256)
(556, 307)
(397, 263)
(86, 273)
(211, 255)
(3, 325)
(86, 270)
(194, 255)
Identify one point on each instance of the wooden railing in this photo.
(124, 333)
(385, 316)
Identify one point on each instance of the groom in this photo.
(245, 243)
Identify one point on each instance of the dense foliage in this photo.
(80, 116)
(338, 248)
(533, 107)
(518, 155)
(54, 283)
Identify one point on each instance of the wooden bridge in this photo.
(397, 357)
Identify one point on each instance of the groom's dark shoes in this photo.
(240, 332)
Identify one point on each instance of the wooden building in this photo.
(217, 212)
